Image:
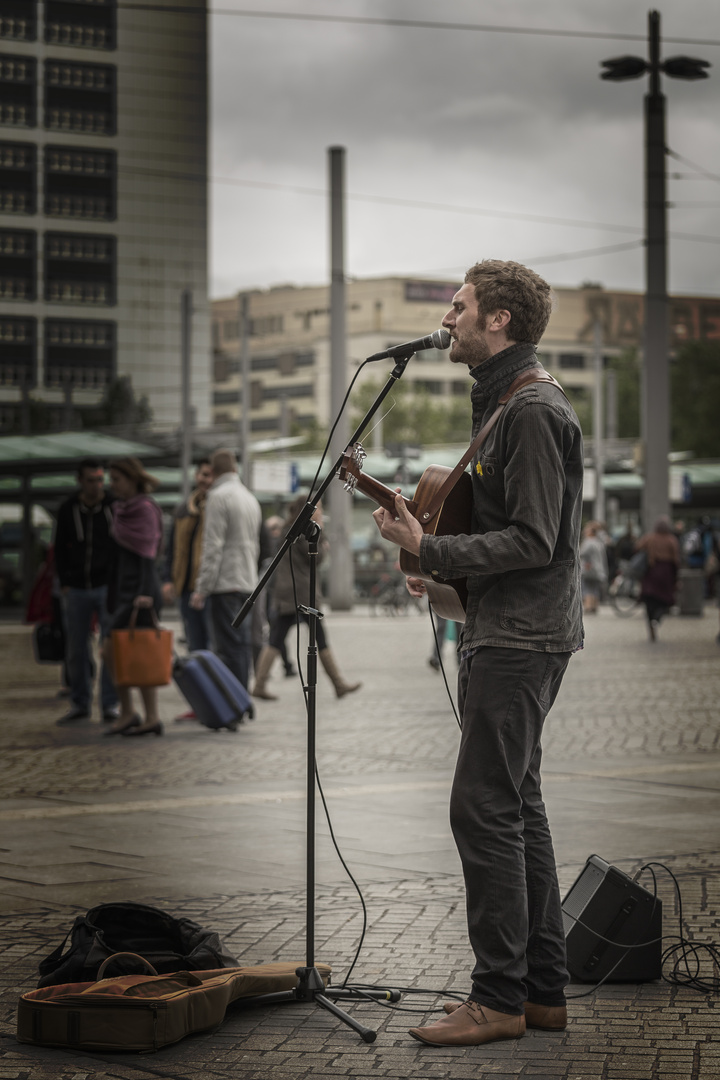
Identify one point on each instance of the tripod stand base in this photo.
(311, 987)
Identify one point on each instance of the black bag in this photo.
(48, 643)
(169, 944)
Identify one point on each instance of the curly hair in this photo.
(514, 288)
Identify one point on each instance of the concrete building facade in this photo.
(289, 339)
(103, 202)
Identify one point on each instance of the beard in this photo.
(474, 349)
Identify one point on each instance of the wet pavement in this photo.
(212, 825)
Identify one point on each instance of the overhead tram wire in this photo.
(703, 173)
(540, 219)
(417, 24)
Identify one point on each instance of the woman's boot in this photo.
(331, 669)
(262, 671)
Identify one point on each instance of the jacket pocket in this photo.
(537, 601)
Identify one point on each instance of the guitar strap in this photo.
(526, 378)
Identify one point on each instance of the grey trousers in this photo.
(501, 830)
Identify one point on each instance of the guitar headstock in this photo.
(351, 466)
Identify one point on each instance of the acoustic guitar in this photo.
(448, 596)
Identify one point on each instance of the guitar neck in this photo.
(381, 494)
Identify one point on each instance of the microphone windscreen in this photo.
(441, 338)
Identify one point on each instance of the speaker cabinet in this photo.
(609, 903)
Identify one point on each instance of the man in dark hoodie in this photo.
(83, 557)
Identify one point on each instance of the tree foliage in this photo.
(627, 385)
(695, 399)
(119, 407)
(414, 418)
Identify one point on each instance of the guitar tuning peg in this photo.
(350, 484)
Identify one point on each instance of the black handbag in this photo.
(169, 944)
(48, 643)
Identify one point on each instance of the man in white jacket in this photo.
(229, 562)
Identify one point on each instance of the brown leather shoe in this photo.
(545, 1017)
(470, 1025)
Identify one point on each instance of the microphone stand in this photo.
(310, 986)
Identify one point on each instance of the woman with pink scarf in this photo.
(135, 585)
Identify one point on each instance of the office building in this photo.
(103, 203)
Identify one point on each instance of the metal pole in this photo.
(598, 441)
(656, 371)
(244, 395)
(611, 430)
(341, 571)
(186, 418)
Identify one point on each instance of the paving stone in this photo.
(212, 827)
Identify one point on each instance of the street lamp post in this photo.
(655, 415)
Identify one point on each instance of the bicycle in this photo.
(624, 594)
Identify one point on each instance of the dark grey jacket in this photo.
(522, 559)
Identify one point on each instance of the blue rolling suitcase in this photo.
(217, 698)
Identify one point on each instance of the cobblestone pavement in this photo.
(212, 826)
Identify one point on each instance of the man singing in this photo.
(524, 620)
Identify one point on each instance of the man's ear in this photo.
(499, 320)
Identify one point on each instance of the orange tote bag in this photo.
(142, 657)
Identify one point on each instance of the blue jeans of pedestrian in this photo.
(501, 829)
(197, 624)
(233, 644)
(79, 607)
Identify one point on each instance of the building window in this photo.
(18, 352)
(269, 324)
(428, 386)
(18, 264)
(230, 329)
(575, 361)
(18, 178)
(18, 91)
(80, 184)
(79, 352)
(226, 397)
(79, 268)
(18, 20)
(302, 390)
(80, 98)
(81, 24)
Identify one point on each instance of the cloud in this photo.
(507, 122)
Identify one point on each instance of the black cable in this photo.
(442, 667)
(682, 952)
(686, 950)
(335, 424)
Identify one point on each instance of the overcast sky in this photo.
(497, 124)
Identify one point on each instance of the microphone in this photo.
(439, 339)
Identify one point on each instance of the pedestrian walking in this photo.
(659, 582)
(84, 554)
(593, 567)
(291, 589)
(229, 562)
(182, 559)
(524, 620)
(135, 587)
